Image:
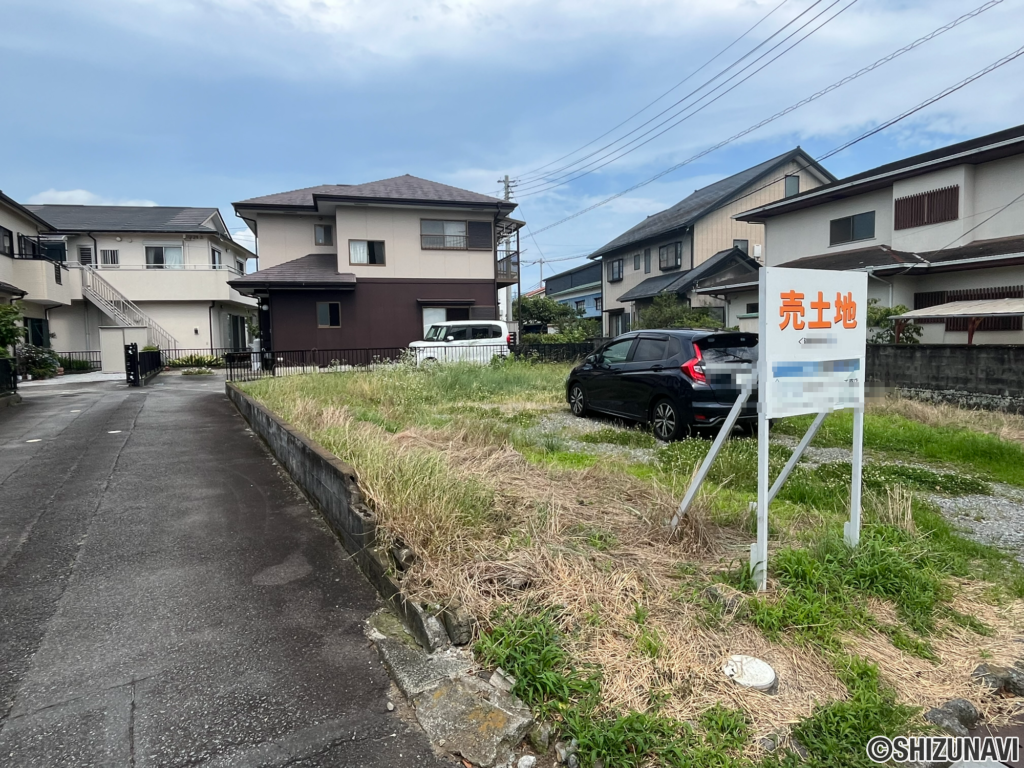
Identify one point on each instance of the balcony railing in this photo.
(508, 266)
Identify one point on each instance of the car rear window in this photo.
(729, 348)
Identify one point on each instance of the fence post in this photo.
(131, 365)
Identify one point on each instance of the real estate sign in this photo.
(813, 331)
(812, 340)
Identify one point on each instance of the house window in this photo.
(670, 256)
(581, 305)
(598, 304)
(927, 208)
(366, 252)
(38, 331)
(647, 261)
(163, 257)
(614, 270)
(6, 242)
(84, 254)
(110, 258)
(752, 308)
(792, 186)
(743, 245)
(328, 314)
(215, 259)
(636, 262)
(240, 266)
(443, 235)
(618, 323)
(29, 248)
(323, 234)
(852, 228)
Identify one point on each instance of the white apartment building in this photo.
(78, 268)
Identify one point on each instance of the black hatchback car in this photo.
(660, 377)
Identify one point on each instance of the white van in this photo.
(475, 341)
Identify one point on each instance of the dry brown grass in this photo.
(1006, 426)
(534, 548)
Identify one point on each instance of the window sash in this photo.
(743, 245)
(614, 270)
(215, 259)
(6, 241)
(110, 257)
(443, 235)
(328, 314)
(670, 256)
(647, 261)
(850, 229)
(323, 234)
(368, 252)
(792, 186)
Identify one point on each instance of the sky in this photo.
(207, 102)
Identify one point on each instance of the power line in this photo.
(984, 221)
(764, 18)
(803, 102)
(537, 187)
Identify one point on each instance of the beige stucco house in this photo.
(942, 226)
(370, 266)
(78, 268)
(698, 239)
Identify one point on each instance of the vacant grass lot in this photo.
(551, 530)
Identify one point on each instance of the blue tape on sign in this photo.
(813, 368)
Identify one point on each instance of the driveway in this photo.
(168, 598)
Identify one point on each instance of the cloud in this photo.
(244, 237)
(81, 197)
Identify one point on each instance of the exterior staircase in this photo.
(121, 309)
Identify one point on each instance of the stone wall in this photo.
(985, 376)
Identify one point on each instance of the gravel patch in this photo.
(568, 428)
(994, 520)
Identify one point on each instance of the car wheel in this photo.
(577, 400)
(667, 422)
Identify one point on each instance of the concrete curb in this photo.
(333, 488)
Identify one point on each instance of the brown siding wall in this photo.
(382, 313)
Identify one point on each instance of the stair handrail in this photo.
(124, 309)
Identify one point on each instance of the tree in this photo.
(882, 328)
(11, 329)
(541, 310)
(669, 311)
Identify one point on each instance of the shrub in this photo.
(196, 361)
(151, 348)
(70, 364)
(197, 372)
(37, 362)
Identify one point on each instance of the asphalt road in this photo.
(168, 598)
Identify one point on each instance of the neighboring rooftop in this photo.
(23, 210)
(683, 281)
(403, 189)
(882, 257)
(317, 270)
(983, 149)
(687, 211)
(578, 277)
(128, 218)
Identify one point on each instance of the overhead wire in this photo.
(803, 102)
(527, 174)
(538, 186)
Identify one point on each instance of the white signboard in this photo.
(813, 330)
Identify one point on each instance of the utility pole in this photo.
(507, 184)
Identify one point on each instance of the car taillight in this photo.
(508, 339)
(695, 368)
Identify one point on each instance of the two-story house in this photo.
(373, 265)
(579, 288)
(162, 268)
(698, 239)
(939, 227)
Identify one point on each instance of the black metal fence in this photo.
(8, 375)
(79, 362)
(140, 366)
(245, 366)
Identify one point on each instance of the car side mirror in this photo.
(449, 338)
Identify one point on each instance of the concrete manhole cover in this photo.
(750, 672)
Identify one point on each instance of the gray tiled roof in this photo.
(687, 211)
(682, 282)
(316, 269)
(125, 218)
(400, 188)
(879, 257)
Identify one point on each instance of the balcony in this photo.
(507, 271)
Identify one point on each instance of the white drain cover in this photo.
(750, 672)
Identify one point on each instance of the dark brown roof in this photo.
(405, 189)
(983, 149)
(11, 289)
(703, 201)
(882, 257)
(317, 270)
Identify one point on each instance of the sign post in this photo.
(812, 337)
